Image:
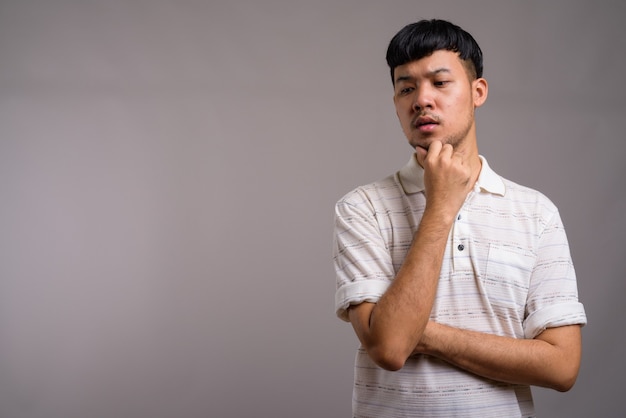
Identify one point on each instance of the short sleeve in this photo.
(553, 294)
(362, 261)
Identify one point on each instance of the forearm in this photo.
(392, 327)
(551, 360)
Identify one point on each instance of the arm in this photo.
(390, 329)
(552, 359)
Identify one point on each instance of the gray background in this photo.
(168, 171)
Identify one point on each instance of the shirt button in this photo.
(461, 247)
(458, 218)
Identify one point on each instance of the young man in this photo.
(458, 283)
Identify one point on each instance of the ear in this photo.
(480, 90)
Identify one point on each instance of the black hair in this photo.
(420, 39)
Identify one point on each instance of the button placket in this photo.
(460, 235)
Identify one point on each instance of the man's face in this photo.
(435, 100)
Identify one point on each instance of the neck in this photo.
(475, 165)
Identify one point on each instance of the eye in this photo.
(441, 83)
(405, 90)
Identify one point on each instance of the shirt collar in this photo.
(411, 178)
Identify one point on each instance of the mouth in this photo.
(425, 123)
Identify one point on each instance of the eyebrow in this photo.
(430, 73)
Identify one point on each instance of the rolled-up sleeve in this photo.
(363, 265)
(553, 294)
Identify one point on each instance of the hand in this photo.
(446, 176)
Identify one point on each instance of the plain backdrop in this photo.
(168, 174)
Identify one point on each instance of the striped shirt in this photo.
(507, 271)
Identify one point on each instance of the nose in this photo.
(423, 98)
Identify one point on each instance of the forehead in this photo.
(441, 61)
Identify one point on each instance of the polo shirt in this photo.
(506, 270)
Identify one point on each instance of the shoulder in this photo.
(528, 197)
(531, 209)
(381, 192)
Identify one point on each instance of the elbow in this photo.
(565, 384)
(391, 365)
(565, 381)
(386, 357)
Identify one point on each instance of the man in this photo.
(458, 283)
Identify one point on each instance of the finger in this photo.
(434, 149)
(447, 151)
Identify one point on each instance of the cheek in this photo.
(459, 104)
(404, 114)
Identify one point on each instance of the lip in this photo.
(429, 127)
(425, 123)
